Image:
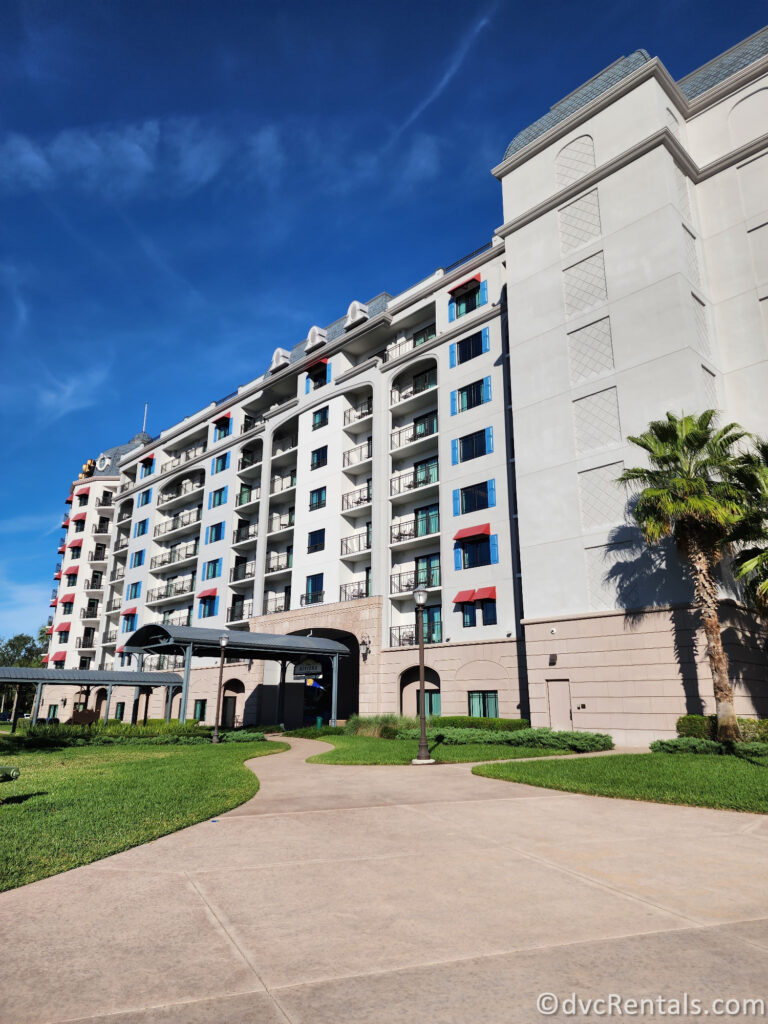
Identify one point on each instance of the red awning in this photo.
(129, 611)
(49, 630)
(60, 656)
(65, 521)
(469, 280)
(119, 650)
(77, 543)
(67, 599)
(61, 549)
(148, 458)
(318, 362)
(63, 627)
(44, 659)
(482, 530)
(79, 517)
(224, 416)
(72, 570)
(54, 602)
(464, 596)
(208, 593)
(485, 594)
(82, 492)
(68, 500)
(57, 575)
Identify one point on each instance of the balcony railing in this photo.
(406, 636)
(246, 461)
(418, 526)
(284, 444)
(413, 432)
(354, 591)
(110, 636)
(101, 527)
(183, 619)
(282, 483)
(98, 555)
(86, 642)
(126, 486)
(354, 499)
(275, 604)
(422, 476)
(406, 582)
(245, 571)
(89, 613)
(185, 519)
(121, 544)
(358, 412)
(182, 457)
(174, 589)
(422, 382)
(163, 662)
(278, 562)
(361, 453)
(250, 423)
(316, 597)
(247, 495)
(186, 488)
(105, 501)
(356, 543)
(125, 516)
(240, 611)
(176, 555)
(244, 533)
(281, 522)
(116, 576)
(113, 606)
(94, 584)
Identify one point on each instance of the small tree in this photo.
(691, 492)
(22, 651)
(751, 533)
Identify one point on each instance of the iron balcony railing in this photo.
(87, 642)
(245, 571)
(250, 423)
(110, 636)
(282, 483)
(358, 412)
(124, 516)
(185, 519)
(420, 383)
(176, 555)
(400, 349)
(183, 619)
(126, 487)
(163, 662)
(413, 432)
(422, 476)
(101, 527)
(418, 526)
(247, 495)
(186, 456)
(89, 613)
(104, 502)
(281, 522)
(240, 611)
(284, 444)
(247, 460)
(278, 562)
(354, 591)
(113, 606)
(98, 555)
(357, 542)
(406, 582)
(354, 499)
(361, 453)
(120, 545)
(186, 488)
(94, 584)
(116, 576)
(275, 604)
(58, 568)
(55, 593)
(316, 597)
(176, 588)
(407, 636)
(244, 533)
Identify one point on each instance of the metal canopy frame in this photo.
(190, 642)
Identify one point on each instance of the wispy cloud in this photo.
(23, 606)
(58, 395)
(42, 525)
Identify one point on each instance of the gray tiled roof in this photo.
(335, 330)
(114, 455)
(727, 64)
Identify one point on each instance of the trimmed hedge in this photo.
(311, 732)
(120, 734)
(696, 745)
(486, 724)
(704, 727)
(578, 742)
(389, 727)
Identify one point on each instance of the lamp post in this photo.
(223, 641)
(420, 596)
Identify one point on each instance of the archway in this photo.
(315, 696)
(409, 691)
(101, 698)
(230, 718)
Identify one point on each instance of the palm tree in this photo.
(690, 492)
(751, 533)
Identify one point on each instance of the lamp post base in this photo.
(423, 760)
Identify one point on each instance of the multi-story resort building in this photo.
(466, 435)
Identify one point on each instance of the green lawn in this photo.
(78, 804)
(372, 750)
(699, 780)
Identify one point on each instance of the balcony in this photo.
(278, 562)
(246, 571)
(89, 613)
(86, 643)
(245, 534)
(117, 576)
(125, 516)
(414, 479)
(171, 591)
(247, 498)
(276, 604)
(100, 528)
(414, 528)
(98, 555)
(417, 386)
(406, 636)
(284, 445)
(178, 495)
(251, 423)
(126, 486)
(105, 501)
(404, 347)
(358, 413)
(277, 523)
(359, 498)
(281, 484)
(121, 544)
(181, 619)
(413, 432)
(354, 591)
(55, 594)
(249, 464)
(358, 456)
(179, 524)
(114, 606)
(176, 556)
(356, 544)
(94, 583)
(110, 636)
(240, 611)
(404, 583)
(314, 598)
(186, 456)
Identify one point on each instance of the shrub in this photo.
(579, 742)
(704, 727)
(372, 725)
(311, 732)
(487, 724)
(389, 726)
(694, 745)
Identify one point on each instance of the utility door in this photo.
(559, 698)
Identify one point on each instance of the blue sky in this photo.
(186, 186)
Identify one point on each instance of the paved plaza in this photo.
(376, 895)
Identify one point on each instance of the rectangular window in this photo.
(82, 500)
(200, 706)
(471, 347)
(316, 541)
(147, 469)
(477, 551)
(137, 559)
(469, 618)
(120, 711)
(212, 569)
(75, 552)
(134, 590)
(489, 612)
(314, 593)
(474, 497)
(85, 663)
(222, 428)
(80, 526)
(320, 418)
(214, 533)
(217, 498)
(64, 637)
(208, 607)
(319, 457)
(71, 579)
(317, 499)
(484, 703)
(471, 395)
(431, 703)
(53, 711)
(424, 335)
(129, 623)
(67, 607)
(220, 463)
(141, 528)
(472, 446)
(144, 498)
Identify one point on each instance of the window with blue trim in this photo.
(212, 569)
(222, 428)
(144, 498)
(220, 463)
(129, 623)
(217, 498)
(137, 558)
(469, 348)
(474, 497)
(147, 468)
(208, 607)
(472, 446)
(134, 590)
(467, 298)
(141, 528)
(471, 395)
(214, 533)
(474, 551)
(468, 615)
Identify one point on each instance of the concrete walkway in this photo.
(376, 895)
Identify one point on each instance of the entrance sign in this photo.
(307, 670)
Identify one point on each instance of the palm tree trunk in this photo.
(702, 562)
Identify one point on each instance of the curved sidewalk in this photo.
(383, 894)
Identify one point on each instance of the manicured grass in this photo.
(699, 780)
(373, 750)
(79, 804)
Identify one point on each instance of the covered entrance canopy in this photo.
(190, 642)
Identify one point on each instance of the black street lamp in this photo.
(420, 597)
(223, 641)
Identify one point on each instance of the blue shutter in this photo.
(207, 534)
(454, 452)
(491, 494)
(457, 502)
(306, 385)
(483, 293)
(486, 340)
(451, 311)
(138, 590)
(218, 567)
(202, 571)
(226, 460)
(210, 500)
(149, 495)
(452, 354)
(200, 609)
(488, 440)
(327, 373)
(226, 489)
(494, 548)
(486, 389)
(457, 557)
(216, 606)
(453, 403)
(213, 466)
